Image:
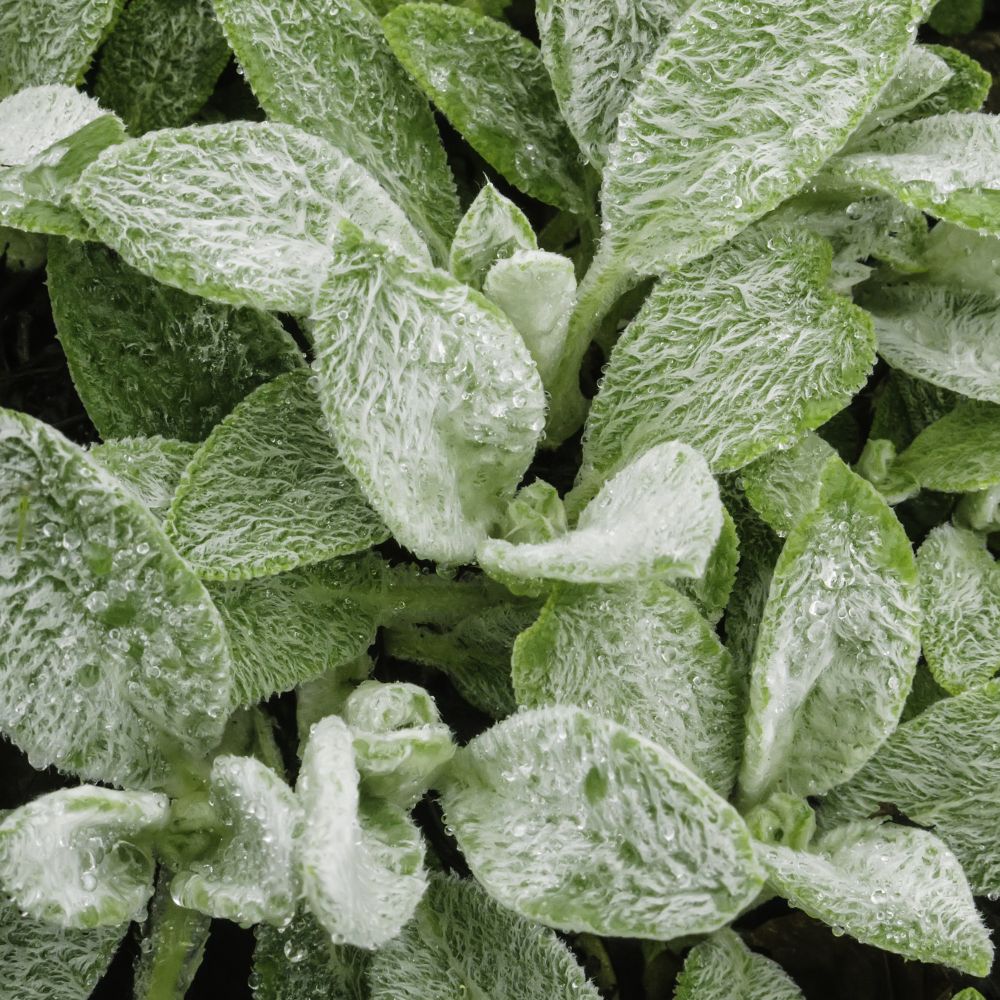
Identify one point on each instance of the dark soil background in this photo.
(34, 378)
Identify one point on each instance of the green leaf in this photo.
(894, 887)
(475, 653)
(904, 406)
(941, 770)
(400, 742)
(268, 491)
(51, 41)
(179, 362)
(326, 68)
(431, 394)
(491, 84)
(957, 453)
(299, 962)
(956, 17)
(75, 857)
(837, 645)
(784, 486)
(859, 227)
(732, 374)
(362, 861)
(240, 212)
(536, 514)
(965, 91)
(42, 961)
(943, 335)
(461, 943)
(172, 946)
(961, 259)
(722, 967)
(711, 141)
(493, 229)
(659, 516)
(161, 63)
(944, 165)
(22, 251)
(536, 290)
(919, 74)
(710, 591)
(114, 657)
(641, 655)
(150, 467)
(980, 510)
(877, 464)
(47, 136)
(292, 627)
(571, 820)
(595, 53)
(250, 876)
(960, 595)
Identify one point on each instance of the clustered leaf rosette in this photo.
(748, 651)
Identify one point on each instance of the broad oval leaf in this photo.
(42, 961)
(461, 943)
(958, 453)
(362, 862)
(965, 91)
(945, 165)
(324, 66)
(113, 651)
(894, 887)
(149, 359)
(74, 857)
(837, 646)
(942, 335)
(400, 742)
(723, 967)
(287, 629)
(784, 485)
(735, 355)
(595, 53)
(571, 820)
(268, 491)
(711, 140)
(432, 396)
(642, 655)
(299, 962)
(240, 212)
(47, 136)
(161, 63)
(491, 84)
(492, 229)
(250, 876)
(51, 41)
(960, 595)
(941, 770)
(659, 516)
(150, 467)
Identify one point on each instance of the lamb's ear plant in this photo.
(712, 628)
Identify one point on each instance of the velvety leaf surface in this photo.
(180, 363)
(150, 467)
(491, 84)
(111, 644)
(432, 397)
(326, 67)
(268, 491)
(735, 355)
(642, 655)
(161, 63)
(71, 857)
(895, 887)
(461, 943)
(571, 820)
(837, 645)
(240, 212)
(941, 769)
